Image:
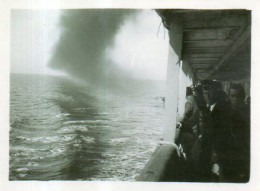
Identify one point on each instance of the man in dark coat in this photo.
(215, 123)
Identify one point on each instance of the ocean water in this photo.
(60, 130)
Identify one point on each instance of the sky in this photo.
(33, 35)
(41, 40)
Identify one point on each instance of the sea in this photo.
(61, 129)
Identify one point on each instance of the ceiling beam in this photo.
(203, 59)
(210, 30)
(209, 34)
(201, 64)
(203, 50)
(203, 55)
(232, 51)
(218, 22)
(204, 66)
(202, 71)
(207, 43)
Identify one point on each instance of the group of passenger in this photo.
(215, 133)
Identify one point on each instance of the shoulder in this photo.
(222, 106)
(222, 109)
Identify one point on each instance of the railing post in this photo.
(173, 73)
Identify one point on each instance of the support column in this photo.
(173, 73)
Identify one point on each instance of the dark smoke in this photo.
(85, 37)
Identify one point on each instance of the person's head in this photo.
(211, 91)
(247, 101)
(236, 95)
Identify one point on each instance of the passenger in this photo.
(237, 97)
(220, 151)
(191, 112)
(186, 136)
(190, 105)
(247, 101)
(240, 132)
(215, 124)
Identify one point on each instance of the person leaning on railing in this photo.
(185, 135)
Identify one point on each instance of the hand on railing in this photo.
(181, 152)
(215, 169)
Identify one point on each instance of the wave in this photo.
(77, 134)
(72, 128)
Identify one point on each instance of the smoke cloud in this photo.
(86, 37)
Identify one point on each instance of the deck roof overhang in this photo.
(216, 43)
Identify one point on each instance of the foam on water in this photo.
(61, 131)
(57, 151)
(22, 175)
(71, 129)
(119, 140)
(32, 164)
(60, 115)
(43, 139)
(88, 140)
(22, 169)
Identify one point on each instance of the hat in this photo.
(208, 84)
